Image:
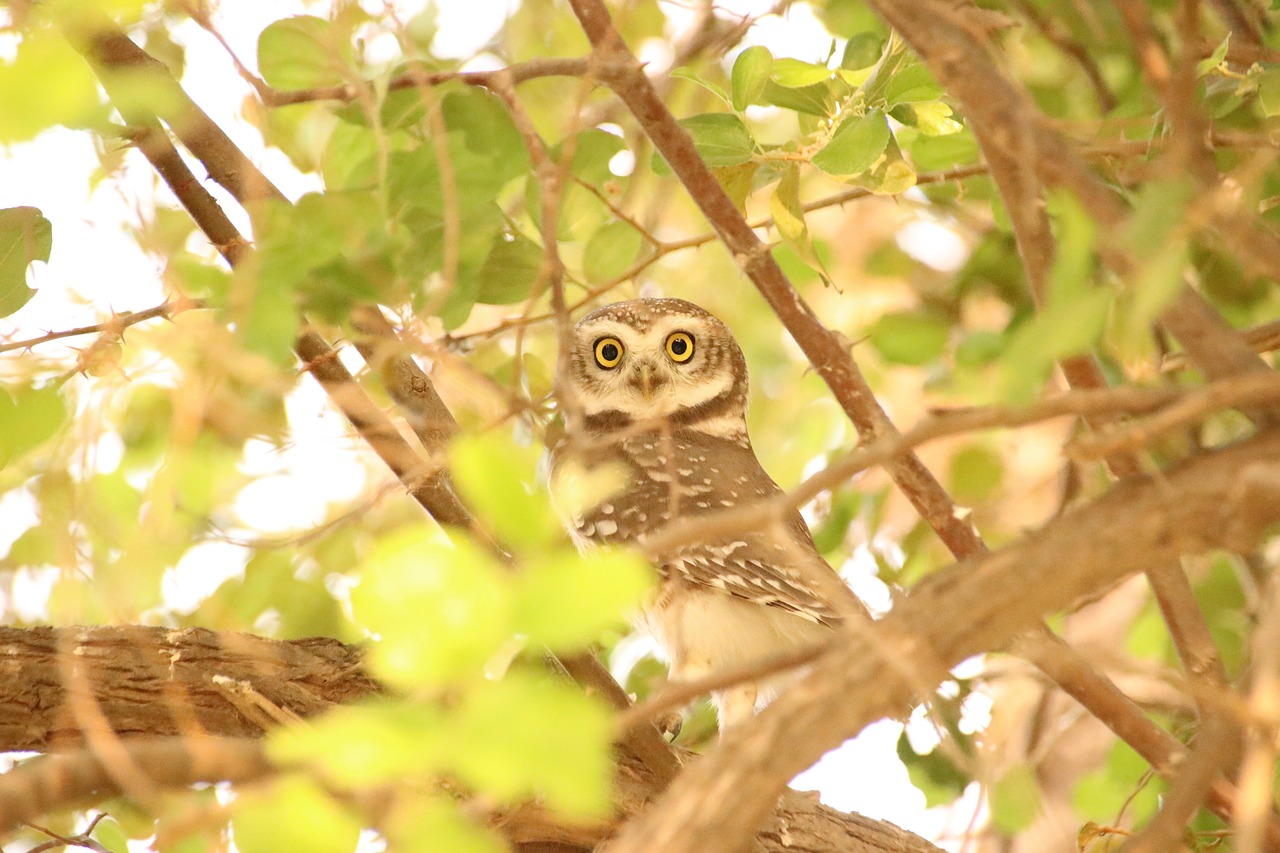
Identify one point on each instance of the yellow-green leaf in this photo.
(566, 600)
(294, 813)
(751, 71)
(25, 237)
(439, 609)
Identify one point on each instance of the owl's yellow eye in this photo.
(680, 346)
(608, 352)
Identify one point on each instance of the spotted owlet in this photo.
(660, 394)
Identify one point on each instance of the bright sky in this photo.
(299, 483)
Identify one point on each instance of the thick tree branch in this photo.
(163, 692)
(140, 675)
(1226, 499)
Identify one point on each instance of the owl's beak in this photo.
(646, 380)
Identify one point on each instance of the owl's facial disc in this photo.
(649, 360)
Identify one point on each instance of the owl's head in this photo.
(660, 358)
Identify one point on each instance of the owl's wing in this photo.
(757, 571)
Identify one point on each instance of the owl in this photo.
(658, 392)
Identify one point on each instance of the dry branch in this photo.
(149, 680)
(158, 688)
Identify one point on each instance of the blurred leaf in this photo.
(931, 153)
(796, 74)
(1125, 778)
(530, 736)
(293, 813)
(1269, 91)
(694, 77)
(812, 100)
(1074, 312)
(565, 600)
(441, 610)
(976, 472)
(788, 218)
(933, 118)
(832, 531)
(1215, 59)
(910, 337)
(25, 236)
(302, 52)
(30, 416)
(1015, 800)
(738, 181)
(496, 478)
(430, 824)
(933, 773)
(751, 71)
(855, 146)
(721, 138)
(863, 50)
(611, 251)
(911, 84)
(66, 92)
(111, 835)
(488, 131)
(378, 742)
(510, 270)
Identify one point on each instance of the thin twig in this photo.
(115, 326)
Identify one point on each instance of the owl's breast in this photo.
(668, 477)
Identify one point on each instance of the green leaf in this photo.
(565, 600)
(294, 813)
(496, 479)
(611, 251)
(489, 132)
(302, 52)
(441, 609)
(1210, 63)
(795, 74)
(788, 218)
(1074, 313)
(976, 473)
(722, 139)
(863, 50)
(932, 118)
(710, 85)
(528, 736)
(25, 236)
(1269, 91)
(910, 337)
(751, 71)
(812, 100)
(379, 742)
(738, 181)
(1015, 800)
(856, 145)
(508, 273)
(912, 83)
(422, 823)
(941, 152)
(111, 835)
(932, 773)
(46, 84)
(30, 416)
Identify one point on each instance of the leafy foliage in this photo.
(185, 474)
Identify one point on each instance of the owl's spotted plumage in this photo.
(660, 392)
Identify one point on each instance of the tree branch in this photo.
(1226, 499)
